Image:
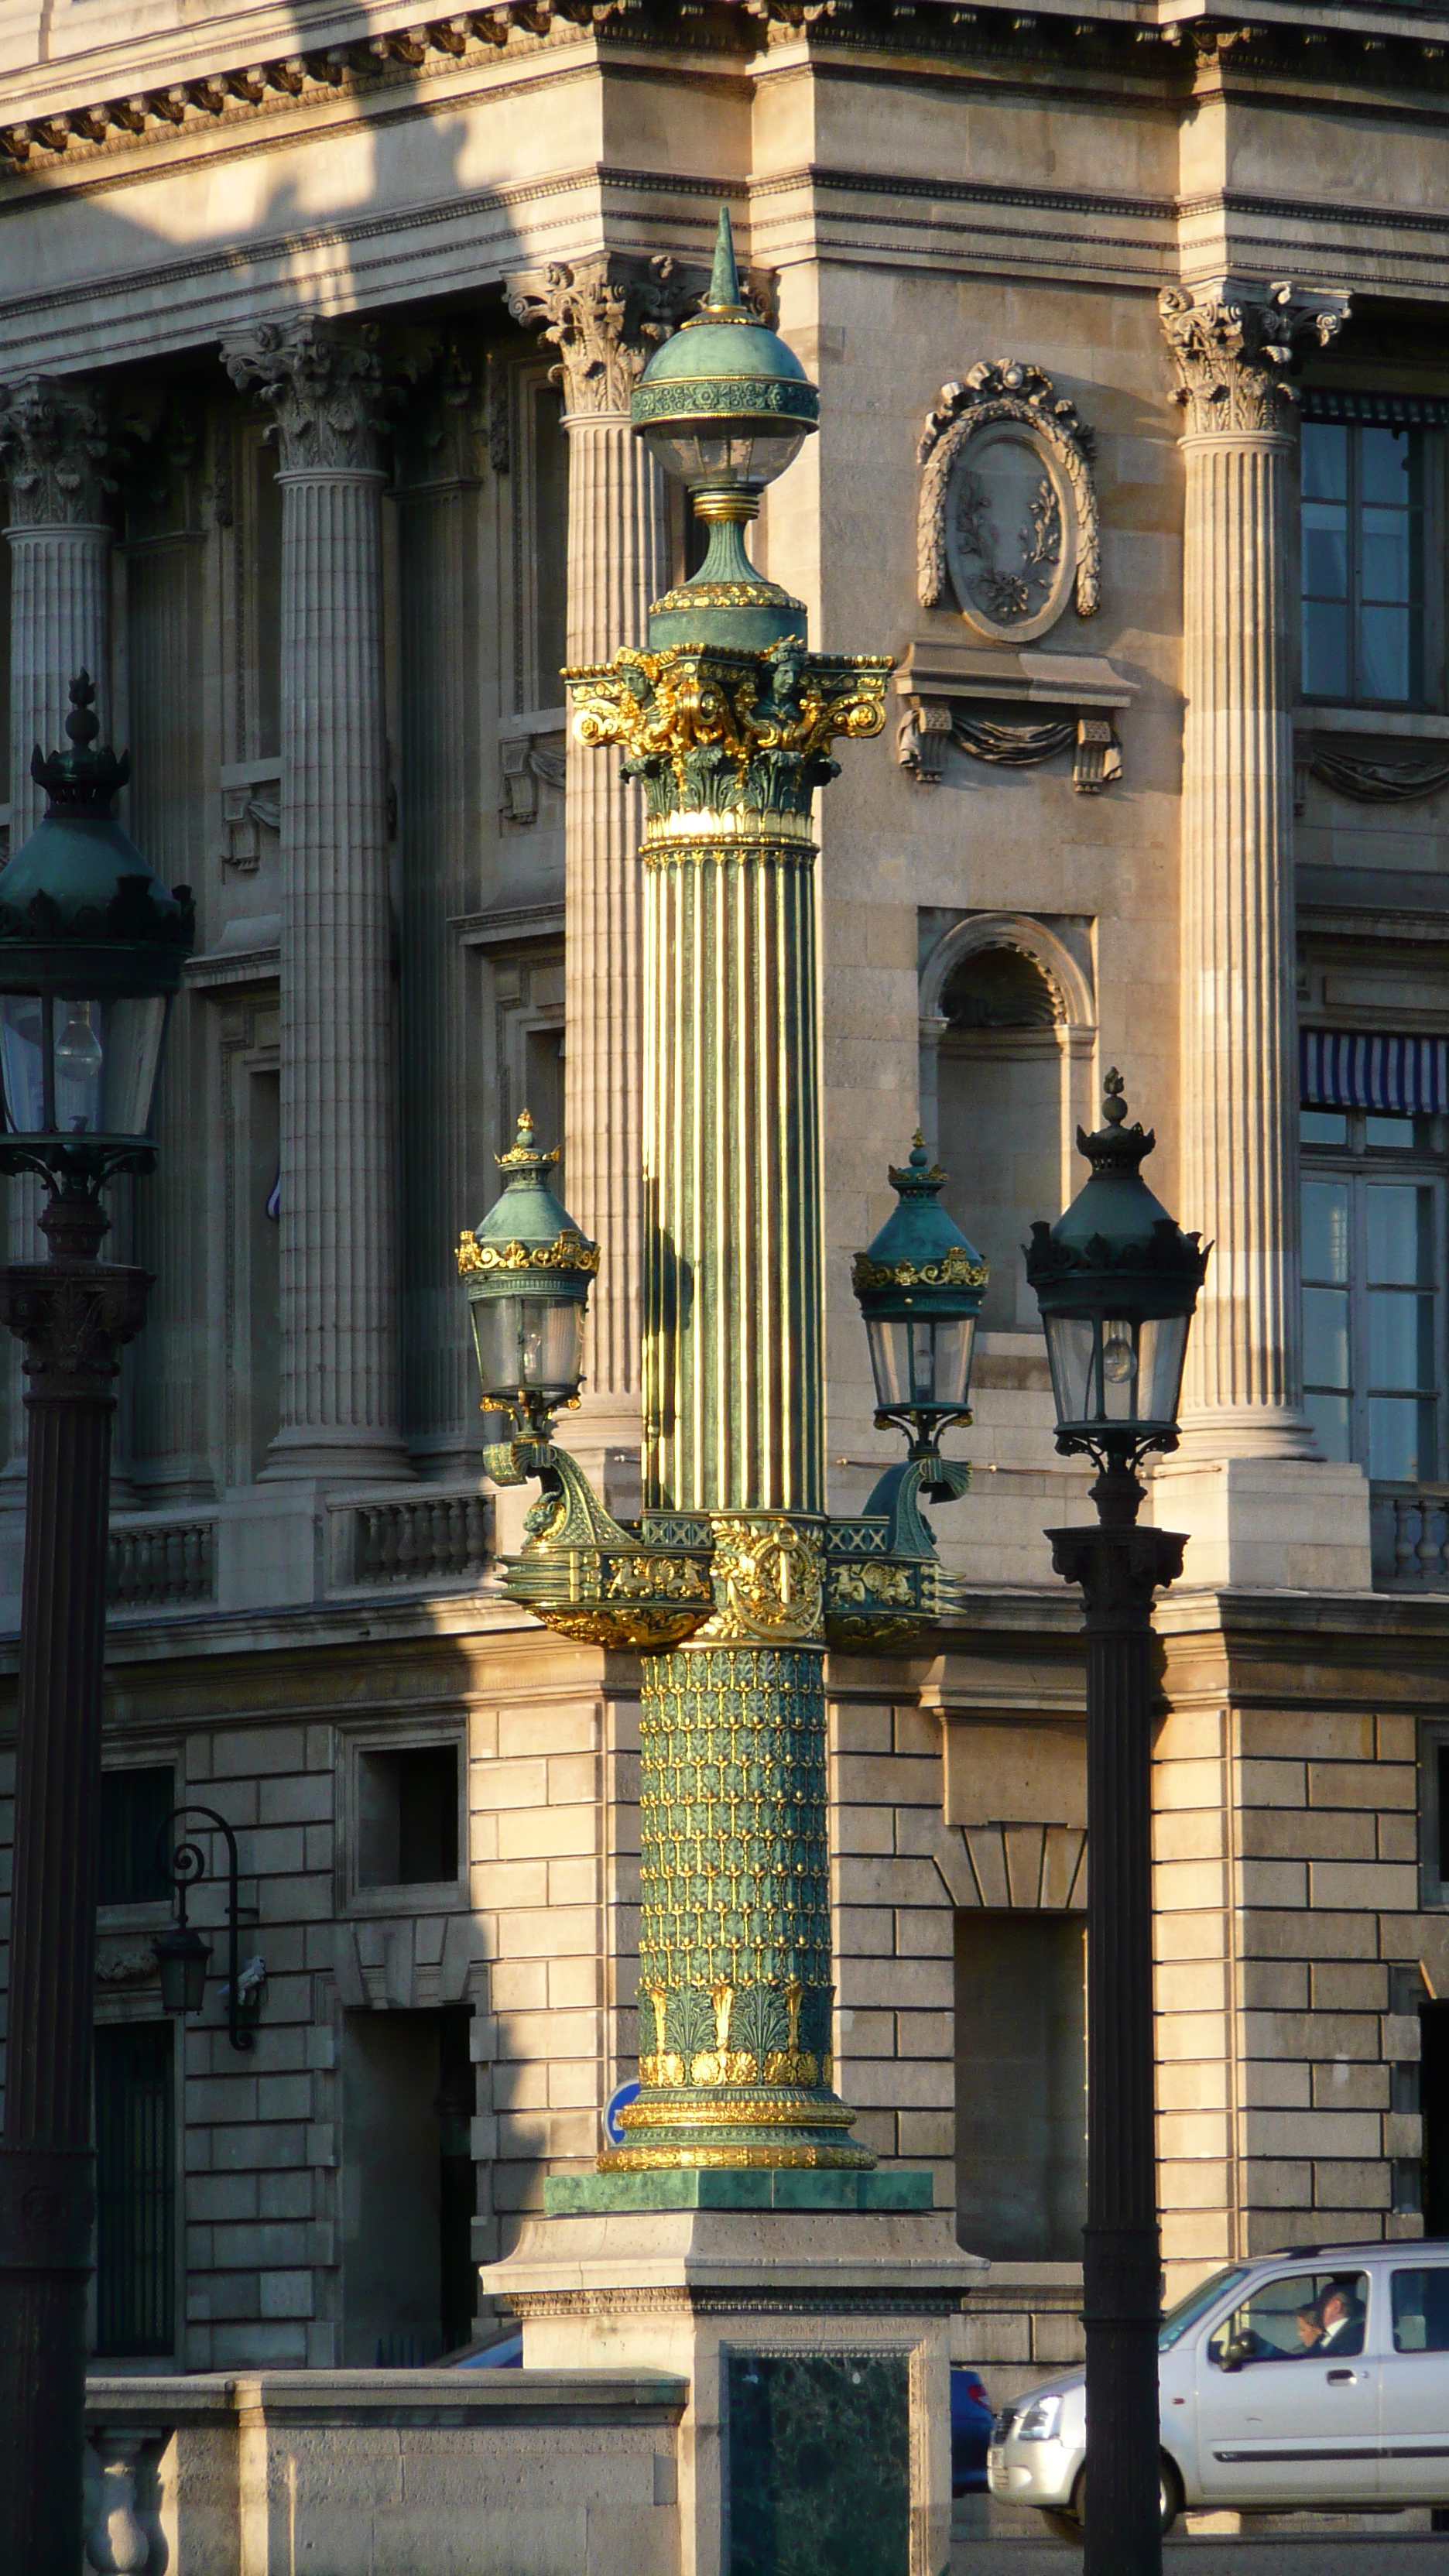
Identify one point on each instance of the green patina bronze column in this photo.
(734, 1581)
(727, 721)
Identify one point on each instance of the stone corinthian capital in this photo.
(1233, 345)
(325, 386)
(605, 317)
(56, 446)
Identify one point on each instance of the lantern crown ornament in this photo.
(725, 406)
(91, 951)
(526, 1271)
(1117, 1280)
(920, 1287)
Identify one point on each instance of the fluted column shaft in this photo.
(603, 316)
(338, 1149)
(618, 564)
(1239, 1143)
(339, 1257)
(1244, 1387)
(438, 589)
(733, 1417)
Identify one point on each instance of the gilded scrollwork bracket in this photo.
(605, 1582)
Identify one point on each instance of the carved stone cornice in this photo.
(325, 386)
(1233, 347)
(605, 317)
(56, 446)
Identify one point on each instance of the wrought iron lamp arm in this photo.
(188, 1866)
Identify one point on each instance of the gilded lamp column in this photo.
(1244, 1390)
(727, 719)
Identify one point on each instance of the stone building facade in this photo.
(320, 330)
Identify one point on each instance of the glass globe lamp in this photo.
(920, 1288)
(1116, 1280)
(725, 406)
(526, 1272)
(91, 952)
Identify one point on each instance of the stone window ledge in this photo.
(1011, 707)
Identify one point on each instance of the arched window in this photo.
(1006, 1059)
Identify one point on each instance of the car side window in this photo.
(1420, 2303)
(1303, 2317)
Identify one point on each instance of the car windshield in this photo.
(1197, 2303)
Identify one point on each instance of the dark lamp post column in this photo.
(1117, 1281)
(91, 947)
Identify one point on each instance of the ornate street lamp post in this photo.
(1117, 1282)
(91, 949)
(734, 1581)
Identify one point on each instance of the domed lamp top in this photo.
(725, 380)
(725, 406)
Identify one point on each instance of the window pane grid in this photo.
(1362, 559)
(1372, 1314)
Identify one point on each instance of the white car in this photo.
(1312, 2379)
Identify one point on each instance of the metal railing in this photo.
(1410, 1537)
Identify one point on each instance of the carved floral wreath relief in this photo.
(1008, 512)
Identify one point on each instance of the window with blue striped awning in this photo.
(1345, 1069)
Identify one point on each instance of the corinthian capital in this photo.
(605, 317)
(53, 436)
(325, 387)
(1233, 346)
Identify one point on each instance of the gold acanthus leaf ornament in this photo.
(665, 706)
(953, 1270)
(568, 1251)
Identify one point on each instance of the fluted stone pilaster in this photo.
(1239, 1181)
(54, 440)
(169, 1376)
(339, 1376)
(603, 317)
(438, 592)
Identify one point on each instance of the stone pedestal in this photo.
(809, 2315)
(1277, 1524)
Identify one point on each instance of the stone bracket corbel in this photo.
(1010, 708)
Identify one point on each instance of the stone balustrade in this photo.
(417, 1536)
(161, 1564)
(1411, 1538)
(268, 2472)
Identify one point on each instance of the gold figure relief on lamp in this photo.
(768, 1581)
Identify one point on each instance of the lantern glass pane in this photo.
(182, 1960)
(529, 1343)
(1115, 1370)
(103, 1061)
(920, 1360)
(719, 453)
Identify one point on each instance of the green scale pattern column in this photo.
(735, 1982)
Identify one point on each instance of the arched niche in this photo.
(1008, 1037)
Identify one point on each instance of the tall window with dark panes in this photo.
(1363, 563)
(1374, 1232)
(135, 2096)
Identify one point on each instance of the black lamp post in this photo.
(1117, 1281)
(91, 949)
